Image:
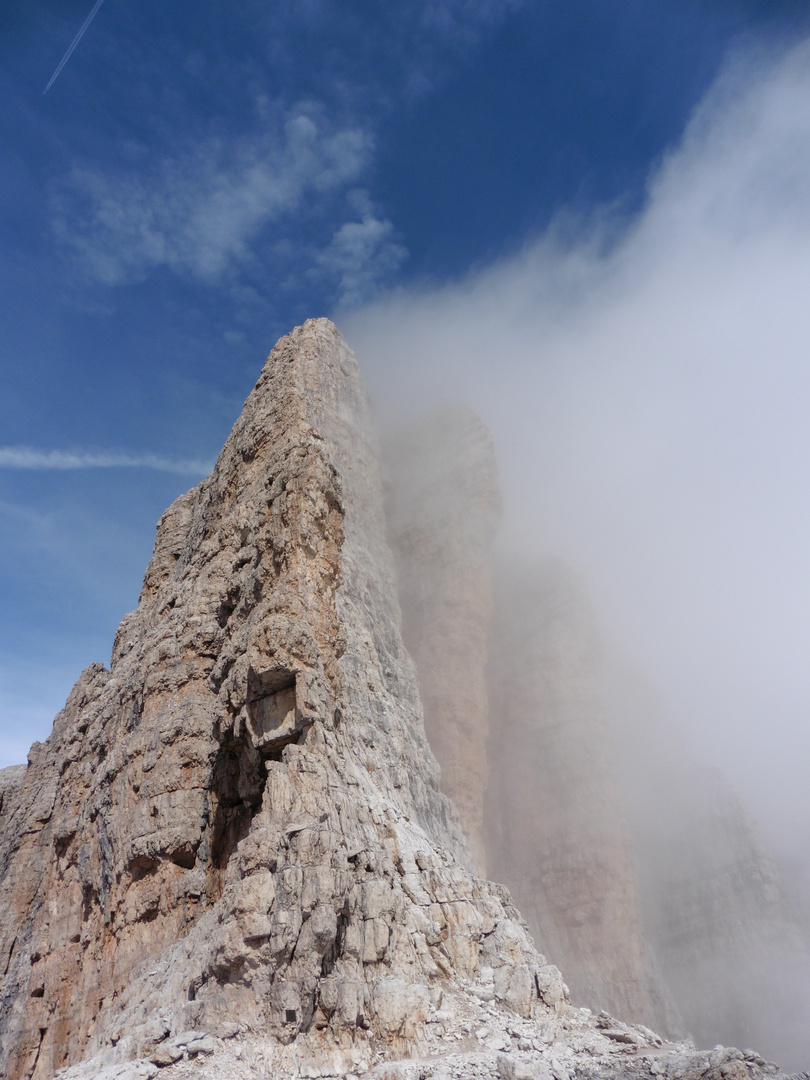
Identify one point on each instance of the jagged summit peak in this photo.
(240, 823)
(232, 858)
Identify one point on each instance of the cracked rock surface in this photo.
(465, 1039)
(238, 826)
(232, 858)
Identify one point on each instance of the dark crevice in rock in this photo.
(42, 1033)
(227, 606)
(142, 867)
(334, 952)
(184, 857)
(237, 787)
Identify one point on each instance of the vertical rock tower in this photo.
(443, 509)
(235, 836)
(510, 679)
(240, 822)
(556, 797)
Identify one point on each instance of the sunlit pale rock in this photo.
(238, 827)
(232, 858)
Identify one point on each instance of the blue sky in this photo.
(202, 177)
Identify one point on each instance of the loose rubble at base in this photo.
(464, 1040)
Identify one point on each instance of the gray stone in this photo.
(232, 858)
(240, 822)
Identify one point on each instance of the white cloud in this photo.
(198, 211)
(361, 256)
(466, 15)
(650, 400)
(26, 457)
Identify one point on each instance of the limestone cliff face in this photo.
(443, 509)
(559, 832)
(232, 857)
(533, 746)
(240, 823)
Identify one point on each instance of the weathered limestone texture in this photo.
(484, 1042)
(443, 509)
(10, 780)
(559, 835)
(238, 828)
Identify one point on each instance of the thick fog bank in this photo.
(649, 404)
(648, 386)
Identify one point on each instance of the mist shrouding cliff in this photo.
(646, 385)
(235, 839)
(641, 873)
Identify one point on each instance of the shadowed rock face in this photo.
(559, 836)
(533, 745)
(240, 821)
(443, 509)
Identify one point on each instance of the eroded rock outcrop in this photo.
(232, 858)
(238, 826)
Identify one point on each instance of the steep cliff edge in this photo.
(240, 822)
(232, 859)
(443, 510)
(528, 758)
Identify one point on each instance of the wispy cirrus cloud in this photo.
(466, 15)
(27, 457)
(202, 209)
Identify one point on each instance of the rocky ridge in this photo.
(466, 1039)
(510, 679)
(240, 822)
(232, 858)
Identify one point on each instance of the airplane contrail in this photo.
(27, 457)
(73, 44)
